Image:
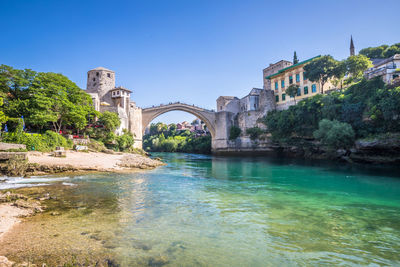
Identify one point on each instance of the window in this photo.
(283, 97)
(297, 78)
(304, 76)
(306, 90)
(108, 75)
(314, 88)
(220, 107)
(94, 79)
(114, 93)
(276, 85)
(298, 91)
(97, 74)
(277, 98)
(282, 83)
(290, 79)
(117, 92)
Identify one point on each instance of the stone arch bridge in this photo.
(217, 122)
(207, 116)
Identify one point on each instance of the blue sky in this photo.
(191, 51)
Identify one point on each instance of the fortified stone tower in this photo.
(100, 80)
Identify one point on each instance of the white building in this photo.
(388, 69)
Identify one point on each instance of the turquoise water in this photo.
(215, 211)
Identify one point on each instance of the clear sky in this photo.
(189, 50)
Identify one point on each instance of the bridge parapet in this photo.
(162, 106)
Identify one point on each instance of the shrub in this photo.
(234, 132)
(125, 141)
(254, 132)
(46, 142)
(335, 134)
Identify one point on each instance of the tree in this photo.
(292, 91)
(3, 117)
(335, 134)
(254, 132)
(109, 120)
(356, 65)
(53, 98)
(320, 70)
(295, 60)
(234, 132)
(338, 73)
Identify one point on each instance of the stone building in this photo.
(107, 97)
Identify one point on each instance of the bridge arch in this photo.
(207, 116)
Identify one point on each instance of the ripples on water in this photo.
(215, 211)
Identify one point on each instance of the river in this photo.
(216, 211)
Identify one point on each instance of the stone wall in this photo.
(8, 146)
(135, 125)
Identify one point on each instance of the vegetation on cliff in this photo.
(368, 107)
(166, 138)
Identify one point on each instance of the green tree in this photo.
(338, 73)
(374, 52)
(292, 91)
(335, 134)
(234, 132)
(3, 117)
(321, 69)
(356, 65)
(254, 132)
(125, 141)
(110, 121)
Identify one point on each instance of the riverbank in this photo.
(378, 150)
(38, 163)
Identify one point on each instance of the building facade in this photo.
(107, 97)
(294, 74)
(388, 69)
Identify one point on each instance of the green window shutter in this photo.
(306, 90)
(298, 91)
(282, 83)
(276, 85)
(297, 78)
(283, 97)
(290, 79)
(277, 98)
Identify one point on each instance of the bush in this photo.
(335, 134)
(125, 141)
(254, 132)
(234, 132)
(46, 142)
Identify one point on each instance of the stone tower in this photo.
(100, 80)
(351, 46)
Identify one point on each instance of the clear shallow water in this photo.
(214, 211)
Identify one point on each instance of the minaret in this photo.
(351, 46)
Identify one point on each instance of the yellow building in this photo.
(294, 74)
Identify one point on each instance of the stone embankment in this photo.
(375, 151)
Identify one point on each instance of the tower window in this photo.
(97, 74)
(94, 79)
(108, 75)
